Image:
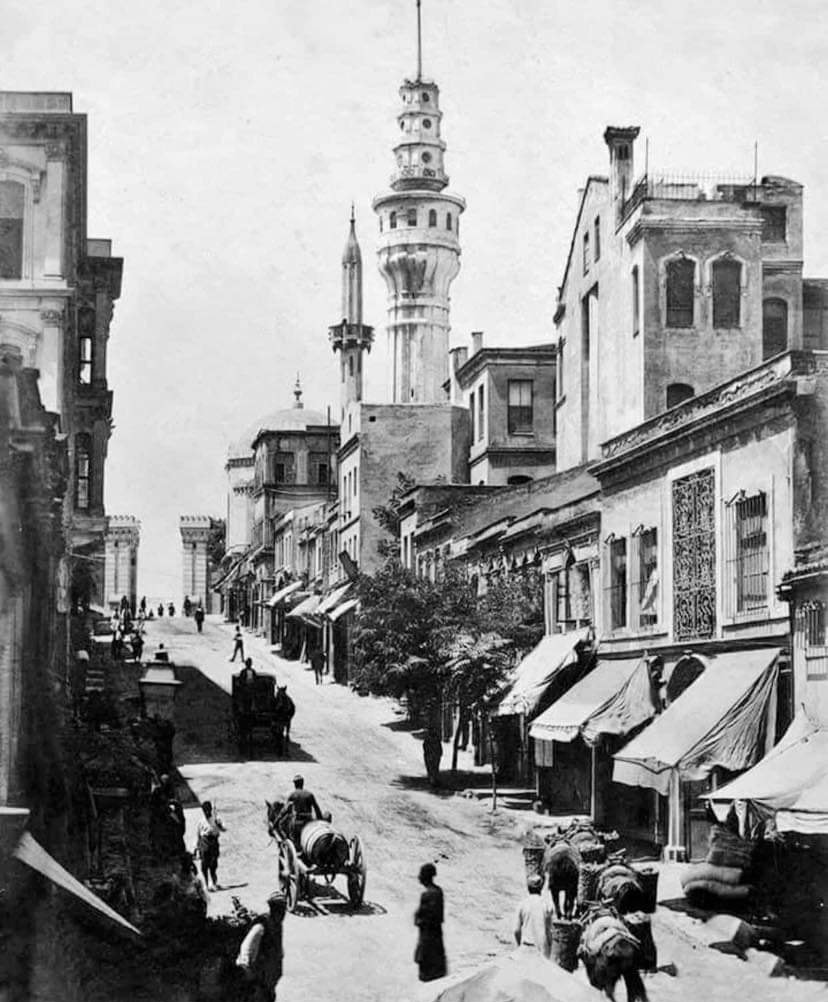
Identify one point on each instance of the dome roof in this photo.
(289, 419)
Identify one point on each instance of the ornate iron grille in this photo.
(694, 556)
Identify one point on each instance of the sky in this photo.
(226, 143)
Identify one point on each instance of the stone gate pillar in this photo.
(195, 532)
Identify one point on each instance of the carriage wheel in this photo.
(356, 873)
(289, 876)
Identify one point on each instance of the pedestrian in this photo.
(188, 605)
(238, 644)
(261, 953)
(199, 619)
(160, 609)
(207, 834)
(137, 645)
(430, 955)
(144, 604)
(166, 821)
(531, 929)
(317, 660)
(171, 610)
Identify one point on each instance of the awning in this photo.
(283, 593)
(613, 698)
(791, 781)
(332, 600)
(304, 609)
(716, 721)
(536, 671)
(340, 610)
(30, 852)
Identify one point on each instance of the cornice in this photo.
(694, 224)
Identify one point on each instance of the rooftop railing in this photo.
(691, 187)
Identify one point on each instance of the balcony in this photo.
(698, 187)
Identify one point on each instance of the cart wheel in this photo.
(289, 876)
(357, 872)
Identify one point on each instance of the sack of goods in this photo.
(703, 880)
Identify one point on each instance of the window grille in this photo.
(727, 293)
(617, 588)
(520, 416)
(648, 578)
(11, 229)
(748, 558)
(694, 556)
(681, 277)
(810, 634)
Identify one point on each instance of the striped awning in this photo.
(333, 599)
(283, 593)
(340, 610)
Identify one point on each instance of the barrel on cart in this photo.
(326, 853)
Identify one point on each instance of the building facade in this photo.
(123, 536)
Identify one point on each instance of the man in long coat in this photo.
(430, 955)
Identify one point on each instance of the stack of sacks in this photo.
(722, 873)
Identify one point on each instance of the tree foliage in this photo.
(513, 608)
(388, 516)
(216, 541)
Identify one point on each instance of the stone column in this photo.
(123, 535)
(195, 532)
(50, 361)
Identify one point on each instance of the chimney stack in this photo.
(620, 141)
(477, 341)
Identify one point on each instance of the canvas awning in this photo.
(536, 671)
(332, 600)
(283, 593)
(614, 698)
(340, 610)
(791, 781)
(716, 721)
(304, 609)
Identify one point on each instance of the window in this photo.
(597, 238)
(518, 478)
(681, 275)
(320, 470)
(448, 220)
(85, 360)
(774, 327)
(727, 293)
(411, 218)
(561, 346)
(636, 308)
(284, 470)
(749, 557)
(694, 556)
(573, 597)
(617, 583)
(677, 393)
(392, 220)
(586, 253)
(432, 217)
(480, 413)
(520, 418)
(471, 416)
(83, 473)
(774, 223)
(810, 623)
(11, 229)
(647, 596)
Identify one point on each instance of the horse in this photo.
(283, 710)
(611, 952)
(560, 864)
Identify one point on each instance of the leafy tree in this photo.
(216, 541)
(513, 608)
(388, 516)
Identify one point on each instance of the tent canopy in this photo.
(283, 593)
(716, 721)
(536, 671)
(340, 610)
(604, 702)
(332, 600)
(790, 782)
(310, 604)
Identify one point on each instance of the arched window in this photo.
(11, 229)
(83, 472)
(412, 217)
(681, 274)
(727, 293)
(392, 220)
(677, 393)
(518, 478)
(432, 217)
(774, 327)
(448, 220)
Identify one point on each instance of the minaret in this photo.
(351, 337)
(419, 249)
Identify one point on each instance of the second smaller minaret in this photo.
(351, 338)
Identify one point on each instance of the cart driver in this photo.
(302, 807)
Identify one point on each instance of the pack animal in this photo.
(560, 864)
(283, 711)
(610, 952)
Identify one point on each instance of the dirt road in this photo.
(365, 766)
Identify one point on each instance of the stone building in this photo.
(195, 564)
(123, 536)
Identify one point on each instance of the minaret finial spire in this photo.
(353, 216)
(297, 392)
(419, 44)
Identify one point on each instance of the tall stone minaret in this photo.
(351, 337)
(419, 249)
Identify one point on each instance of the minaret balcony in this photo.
(419, 176)
(345, 335)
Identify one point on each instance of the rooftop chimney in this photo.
(620, 140)
(477, 341)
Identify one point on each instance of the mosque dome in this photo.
(295, 418)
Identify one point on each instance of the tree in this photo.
(216, 541)
(388, 516)
(513, 608)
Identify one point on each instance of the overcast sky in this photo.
(226, 142)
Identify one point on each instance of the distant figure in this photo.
(530, 922)
(187, 606)
(117, 644)
(247, 674)
(317, 660)
(160, 610)
(171, 610)
(166, 821)
(261, 953)
(430, 955)
(238, 644)
(199, 619)
(143, 606)
(207, 832)
(137, 646)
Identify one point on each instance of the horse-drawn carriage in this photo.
(261, 712)
(324, 852)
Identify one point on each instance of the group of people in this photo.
(127, 629)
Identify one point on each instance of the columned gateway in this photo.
(195, 533)
(123, 533)
(419, 247)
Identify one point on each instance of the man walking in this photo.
(207, 834)
(261, 953)
(317, 660)
(238, 644)
(199, 618)
(531, 929)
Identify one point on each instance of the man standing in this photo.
(302, 805)
(199, 618)
(317, 660)
(530, 922)
(261, 953)
(430, 955)
(238, 644)
(207, 834)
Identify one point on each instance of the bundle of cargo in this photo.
(621, 885)
(727, 849)
(721, 875)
